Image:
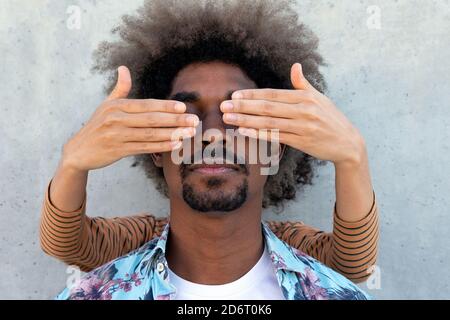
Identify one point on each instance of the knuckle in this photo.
(144, 147)
(181, 119)
(118, 102)
(149, 132)
(112, 119)
(104, 108)
(248, 94)
(311, 129)
(242, 120)
(271, 123)
(309, 95)
(107, 137)
(113, 105)
(152, 120)
(152, 103)
(266, 107)
(273, 94)
(147, 146)
(311, 112)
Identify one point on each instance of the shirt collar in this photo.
(284, 259)
(282, 255)
(162, 240)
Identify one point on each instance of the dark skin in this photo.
(212, 247)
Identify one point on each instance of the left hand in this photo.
(306, 119)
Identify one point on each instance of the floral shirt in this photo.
(143, 275)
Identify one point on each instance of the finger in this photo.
(260, 122)
(263, 134)
(268, 135)
(149, 105)
(134, 148)
(262, 107)
(156, 134)
(298, 79)
(157, 120)
(123, 84)
(295, 141)
(275, 95)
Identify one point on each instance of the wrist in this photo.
(68, 162)
(355, 158)
(67, 190)
(68, 167)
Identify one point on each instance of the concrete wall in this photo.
(392, 82)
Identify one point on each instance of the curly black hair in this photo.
(264, 38)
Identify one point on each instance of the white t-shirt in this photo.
(260, 283)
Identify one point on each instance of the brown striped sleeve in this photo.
(350, 250)
(355, 245)
(77, 239)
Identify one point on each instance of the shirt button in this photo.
(160, 267)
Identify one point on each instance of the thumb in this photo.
(298, 79)
(123, 84)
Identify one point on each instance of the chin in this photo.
(215, 195)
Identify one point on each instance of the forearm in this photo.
(63, 215)
(77, 239)
(68, 188)
(354, 191)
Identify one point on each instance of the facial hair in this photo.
(215, 200)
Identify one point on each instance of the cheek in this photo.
(171, 171)
(256, 180)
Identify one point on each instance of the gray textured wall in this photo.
(392, 82)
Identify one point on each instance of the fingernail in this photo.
(227, 107)
(230, 117)
(193, 120)
(180, 107)
(237, 95)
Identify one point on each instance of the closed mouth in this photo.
(214, 169)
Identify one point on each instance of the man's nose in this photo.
(214, 120)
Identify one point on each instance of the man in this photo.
(216, 66)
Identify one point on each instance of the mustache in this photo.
(228, 156)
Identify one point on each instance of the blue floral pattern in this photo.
(142, 275)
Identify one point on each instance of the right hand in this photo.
(122, 127)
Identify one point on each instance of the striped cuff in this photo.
(355, 244)
(355, 227)
(61, 213)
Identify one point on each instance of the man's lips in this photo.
(214, 169)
